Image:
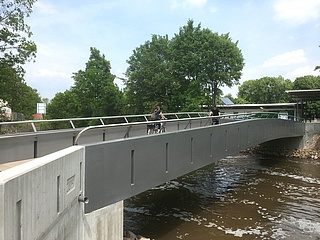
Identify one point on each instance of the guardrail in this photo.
(111, 121)
(72, 122)
(226, 117)
(35, 144)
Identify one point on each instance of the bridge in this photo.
(71, 183)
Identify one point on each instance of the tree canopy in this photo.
(181, 73)
(211, 59)
(265, 90)
(93, 94)
(307, 82)
(15, 46)
(149, 76)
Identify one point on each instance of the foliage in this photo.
(180, 74)
(265, 90)
(93, 94)
(150, 82)
(15, 48)
(312, 108)
(211, 59)
(20, 97)
(307, 82)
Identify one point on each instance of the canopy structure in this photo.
(305, 95)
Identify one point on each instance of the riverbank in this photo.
(310, 151)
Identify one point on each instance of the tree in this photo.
(312, 108)
(26, 101)
(63, 105)
(20, 97)
(181, 73)
(94, 88)
(211, 59)
(307, 82)
(93, 94)
(15, 48)
(149, 77)
(265, 90)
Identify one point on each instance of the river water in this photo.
(245, 196)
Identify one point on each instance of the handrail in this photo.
(176, 116)
(245, 116)
(71, 121)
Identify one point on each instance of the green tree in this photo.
(93, 94)
(307, 82)
(312, 108)
(181, 73)
(149, 77)
(63, 105)
(210, 59)
(26, 101)
(20, 97)
(265, 90)
(95, 90)
(15, 46)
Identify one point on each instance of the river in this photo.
(245, 196)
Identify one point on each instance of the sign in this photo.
(41, 108)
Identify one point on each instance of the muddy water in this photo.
(248, 197)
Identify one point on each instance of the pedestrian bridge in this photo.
(102, 165)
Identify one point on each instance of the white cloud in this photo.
(51, 74)
(302, 71)
(188, 3)
(297, 11)
(285, 59)
(44, 7)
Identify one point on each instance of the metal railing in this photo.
(74, 123)
(188, 120)
(112, 121)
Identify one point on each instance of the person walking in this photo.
(156, 116)
(215, 112)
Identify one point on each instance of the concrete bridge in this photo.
(70, 184)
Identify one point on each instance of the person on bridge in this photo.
(215, 112)
(156, 116)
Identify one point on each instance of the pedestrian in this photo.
(215, 112)
(156, 116)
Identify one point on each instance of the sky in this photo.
(276, 37)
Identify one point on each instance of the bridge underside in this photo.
(118, 169)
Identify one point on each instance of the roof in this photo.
(254, 106)
(305, 95)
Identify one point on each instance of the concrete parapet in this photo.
(39, 199)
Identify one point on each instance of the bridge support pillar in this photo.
(104, 223)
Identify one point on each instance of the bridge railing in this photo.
(75, 123)
(192, 120)
(94, 122)
(33, 144)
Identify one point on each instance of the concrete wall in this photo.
(119, 169)
(39, 201)
(104, 224)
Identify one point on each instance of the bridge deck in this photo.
(9, 165)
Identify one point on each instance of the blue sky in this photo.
(276, 37)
